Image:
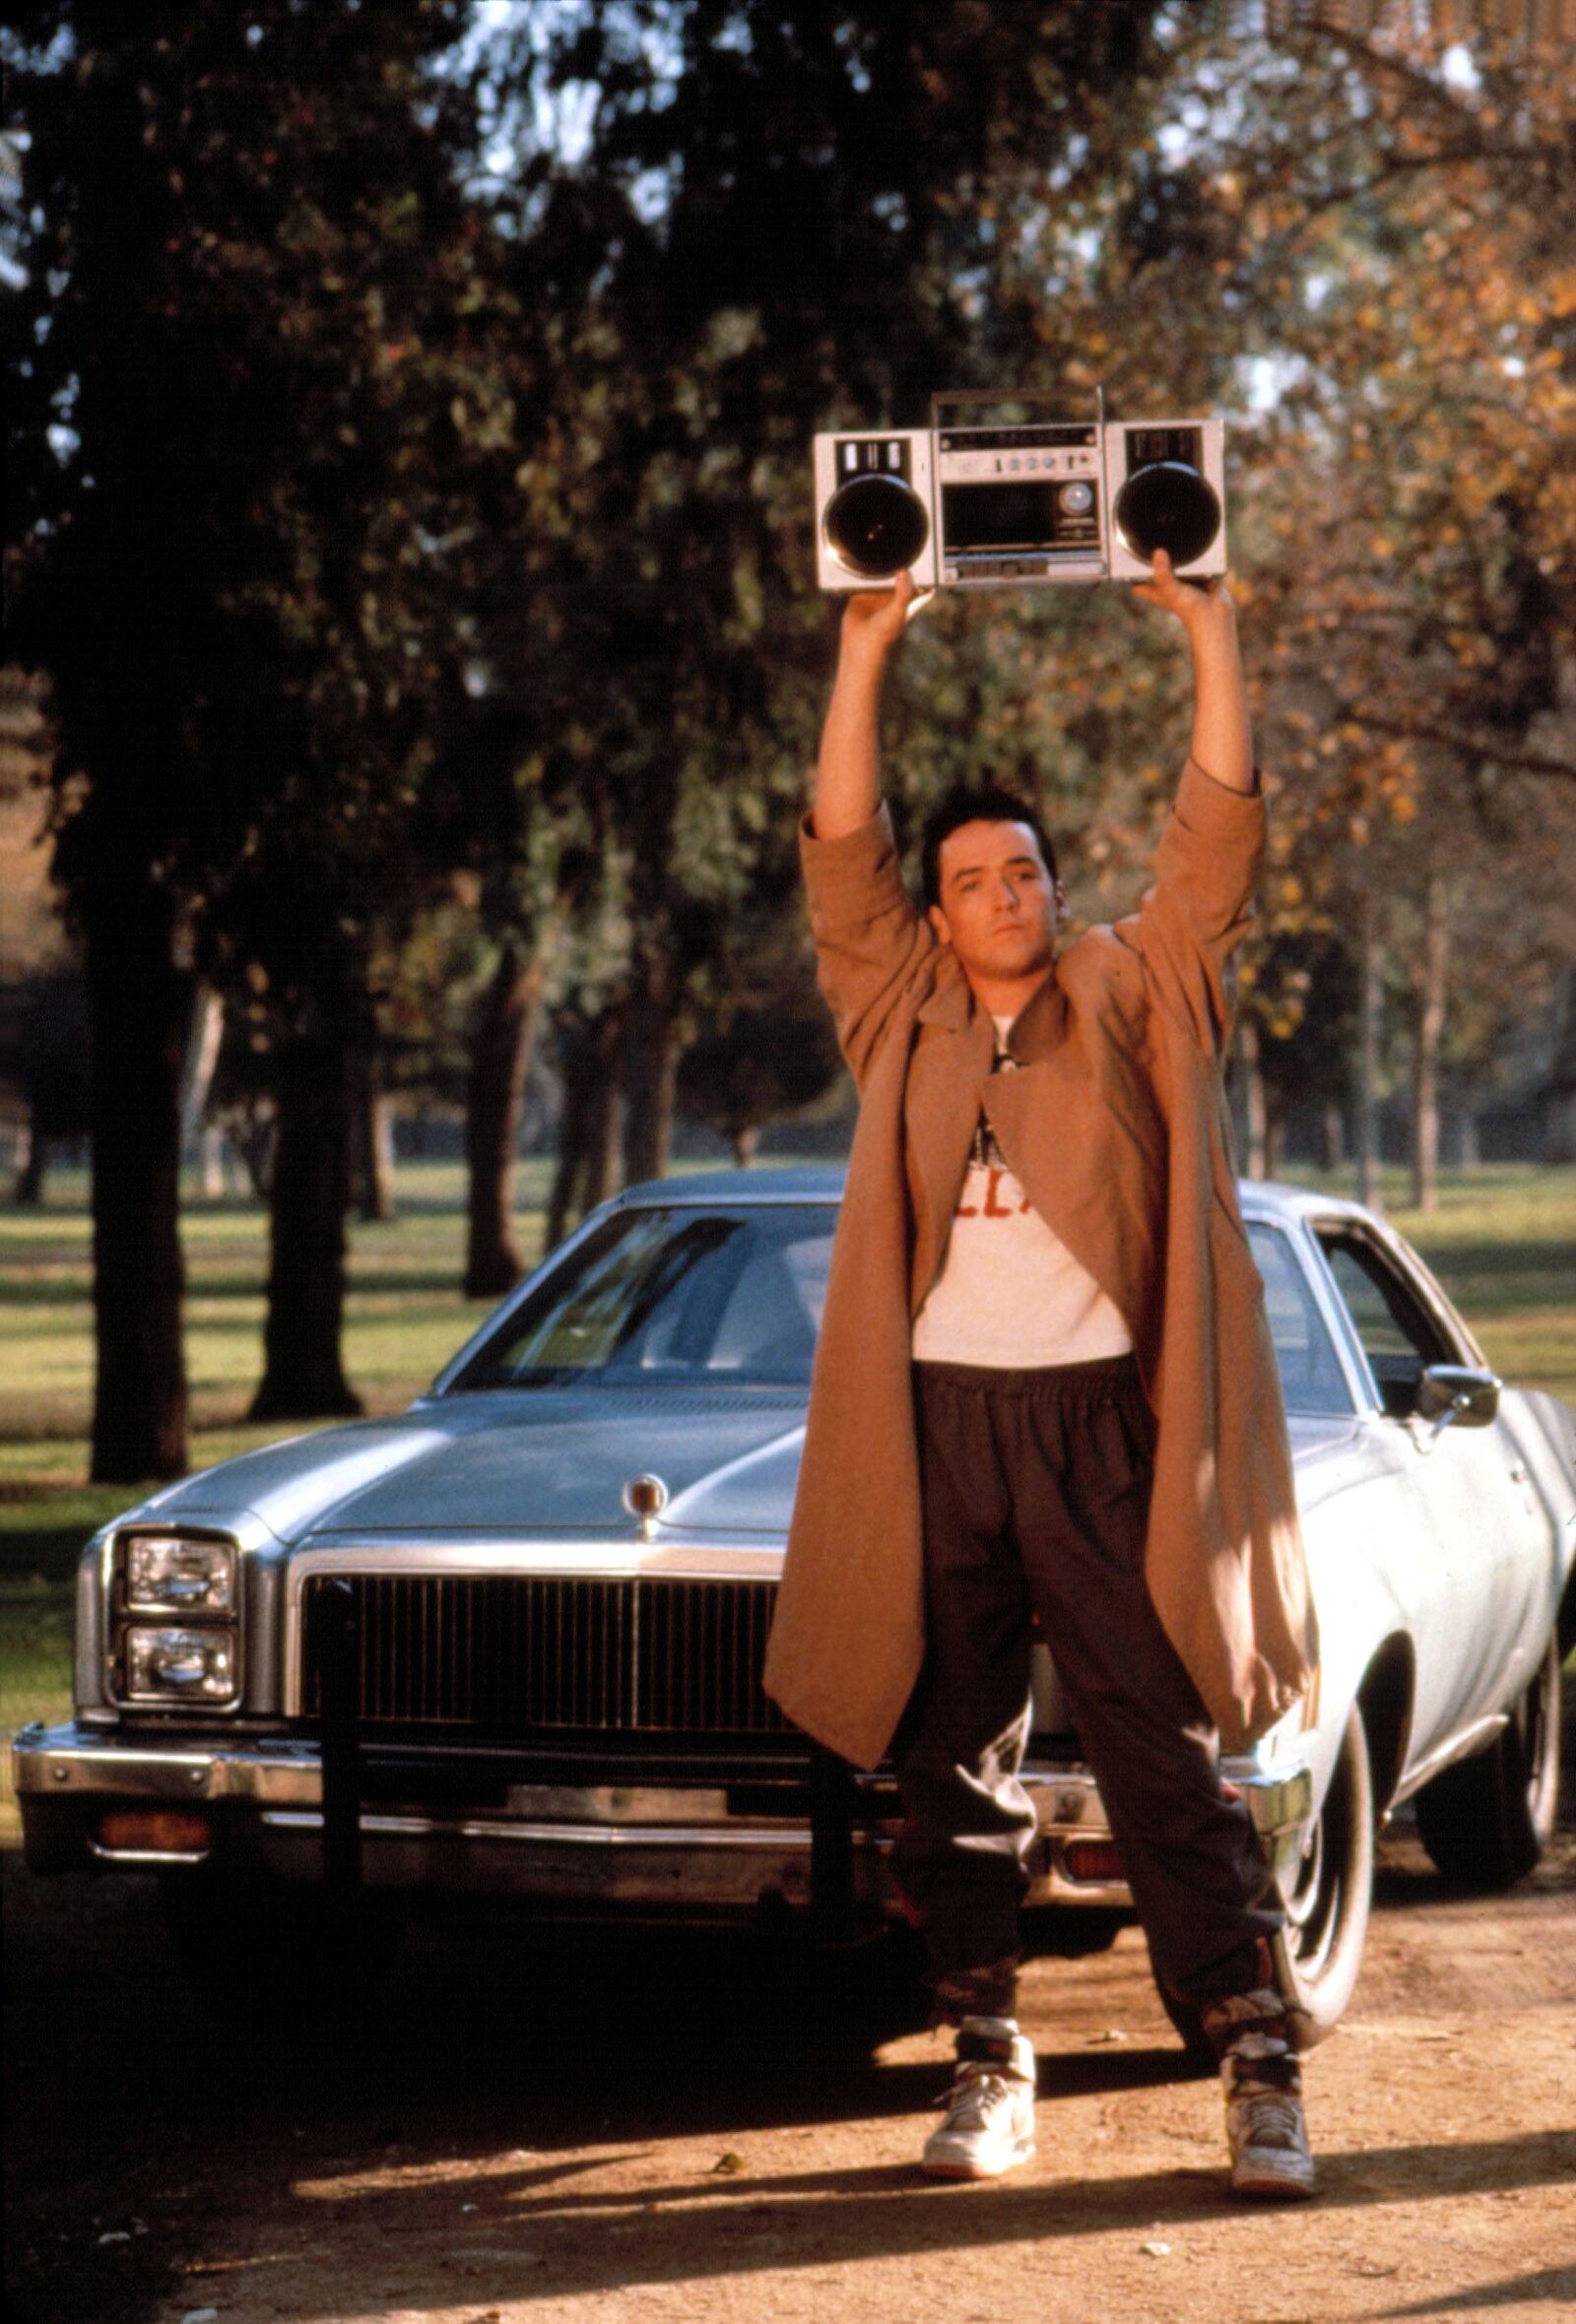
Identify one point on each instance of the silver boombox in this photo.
(968, 503)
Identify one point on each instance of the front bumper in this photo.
(88, 1798)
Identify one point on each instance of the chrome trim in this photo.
(147, 1856)
(1279, 1799)
(1465, 1745)
(275, 1788)
(701, 1838)
(60, 1761)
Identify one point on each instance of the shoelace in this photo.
(1269, 2118)
(975, 2090)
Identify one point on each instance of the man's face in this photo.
(999, 905)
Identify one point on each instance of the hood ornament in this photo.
(645, 1498)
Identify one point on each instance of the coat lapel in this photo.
(1040, 1026)
(953, 1045)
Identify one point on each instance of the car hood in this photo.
(521, 1462)
(544, 1462)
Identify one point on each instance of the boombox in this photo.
(968, 504)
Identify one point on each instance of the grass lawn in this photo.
(1503, 1242)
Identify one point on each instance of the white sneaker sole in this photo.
(964, 2166)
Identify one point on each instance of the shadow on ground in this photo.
(435, 2153)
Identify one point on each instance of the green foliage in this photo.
(250, 314)
(779, 219)
(423, 549)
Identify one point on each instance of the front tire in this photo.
(1319, 1951)
(1486, 1821)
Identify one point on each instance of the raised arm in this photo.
(1207, 867)
(848, 770)
(1223, 731)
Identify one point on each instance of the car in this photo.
(508, 1644)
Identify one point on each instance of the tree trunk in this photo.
(651, 1073)
(1273, 1140)
(1370, 1007)
(373, 1142)
(1559, 1145)
(253, 1132)
(31, 1160)
(1332, 1137)
(211, 1182)
(1255, 1112)
(588, 1133)
(570, 1170)
(500, 1053)
(139, 1004)
(1432, 994)
(605, 1126)
(302, 1371)
(203, 1039)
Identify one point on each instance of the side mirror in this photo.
(1457, 1393)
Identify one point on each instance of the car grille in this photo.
(522, 1653)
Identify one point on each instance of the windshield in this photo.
(1311, 1378)
(674, 1295)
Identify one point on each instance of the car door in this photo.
(1473, 1606)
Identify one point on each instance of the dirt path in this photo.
(519, 2143)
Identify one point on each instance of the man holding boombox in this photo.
(1045, 1389)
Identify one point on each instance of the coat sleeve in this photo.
(871, 944)
(1201, 905)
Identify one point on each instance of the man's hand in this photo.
(1202, 607)
(874, 620)
(1222, 737)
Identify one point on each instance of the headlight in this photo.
(175, 1619)
(179, 1665)
(169, 1574)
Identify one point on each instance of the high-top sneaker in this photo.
(989, 2125)
(1262, 2077)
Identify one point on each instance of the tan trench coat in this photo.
(1115, 1128)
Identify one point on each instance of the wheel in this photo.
(1319, 1951)
(1486, 1821)
(271, 1954)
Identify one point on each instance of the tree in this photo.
(779, 218)
(1408, 543)
(248, 400)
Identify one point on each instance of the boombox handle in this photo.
(975, 396)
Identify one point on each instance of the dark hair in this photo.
(987, 804)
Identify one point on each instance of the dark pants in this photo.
(1036, 1491)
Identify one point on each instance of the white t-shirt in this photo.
(1010, 1294)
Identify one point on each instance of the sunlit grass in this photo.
(405, 1315)
(1502, 1241)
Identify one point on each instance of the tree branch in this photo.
(1471, 745)
(1430, 90)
